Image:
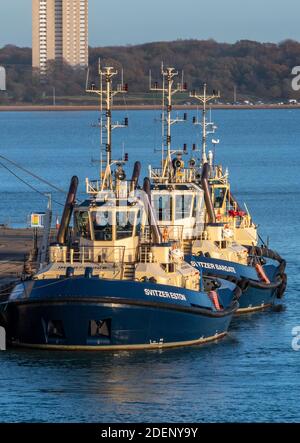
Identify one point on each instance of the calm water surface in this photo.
(252, 375)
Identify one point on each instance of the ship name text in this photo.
(215, 266)
(164, 294)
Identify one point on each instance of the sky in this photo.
(123, 22)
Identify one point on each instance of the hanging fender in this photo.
(213, 295)
(261, 273)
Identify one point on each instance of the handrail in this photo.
(88, 254)
(174, 233)
(181, 176)
(95, 186)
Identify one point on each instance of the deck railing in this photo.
(121, 190)
(87, 254)
(184, 175)
(168, 232)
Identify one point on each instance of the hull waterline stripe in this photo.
(241, 311)
(122, 347)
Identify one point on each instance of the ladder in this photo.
(129, 271)
(187, 247)
(145, 250)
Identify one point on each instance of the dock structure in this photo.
(16, 246)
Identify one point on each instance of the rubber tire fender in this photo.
(244, 284)
(282, 287)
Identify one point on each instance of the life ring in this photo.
(177, 254)
(227, 232)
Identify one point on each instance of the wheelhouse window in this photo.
(82, 224)
(198, 205)
(163, 207)
(219, 197)
(195, 206)
(125, 221)
(183, 206)
(138, 222)
(103, 225)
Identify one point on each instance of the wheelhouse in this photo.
(105, 224)
(179, 205)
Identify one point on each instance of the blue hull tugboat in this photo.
(112, 282)
(257, 294)
(194, 206)
(85, 312)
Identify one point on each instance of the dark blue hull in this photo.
(255, 299)
(256, 295)
(96, 314)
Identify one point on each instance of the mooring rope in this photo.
(32, 174)
(28, 184)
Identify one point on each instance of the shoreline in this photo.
(43, 108)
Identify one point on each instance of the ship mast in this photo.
(107, 93)
(168, 91)
(204, 99)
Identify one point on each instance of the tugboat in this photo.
(110, 282)
(200, 215)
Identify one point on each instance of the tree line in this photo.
(257, 71)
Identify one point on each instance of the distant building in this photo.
(2, 79)
(59, 32)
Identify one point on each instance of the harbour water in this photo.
(253, 374)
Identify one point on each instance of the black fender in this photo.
(243, 284)
(237, 292)
(281, 282)
(281, 289)
(262, 285)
